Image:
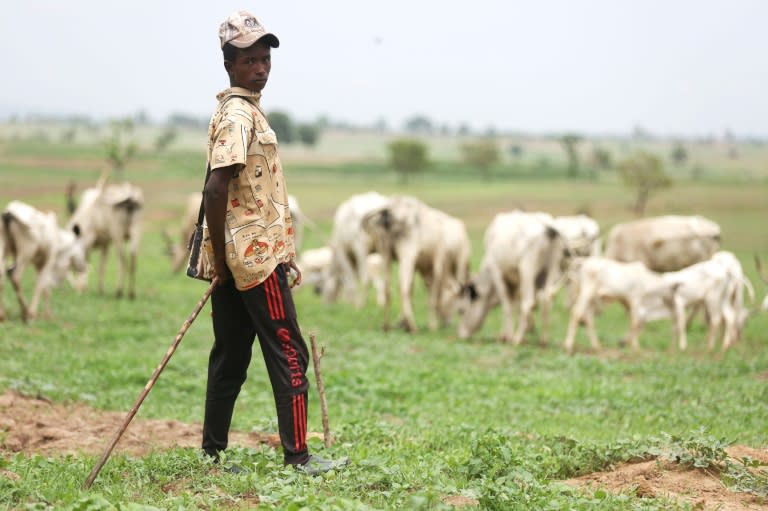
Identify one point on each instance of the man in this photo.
(250, 245)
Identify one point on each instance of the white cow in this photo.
(315, 264)
(717, 285)
(664, 243)
(111, 214)
(581, 234)
(30, 236)
(424, 240)
(351, 245)
(524, 257)
(645, 294)
(179, 250)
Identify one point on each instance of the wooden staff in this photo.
(321, 391)
(184, 327)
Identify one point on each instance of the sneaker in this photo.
(316, 465)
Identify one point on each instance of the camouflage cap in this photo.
(241, 29)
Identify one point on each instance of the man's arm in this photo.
(215, 200)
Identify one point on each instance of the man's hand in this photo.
(293, 269)
(221, 271)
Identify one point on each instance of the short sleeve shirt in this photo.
(259, 233)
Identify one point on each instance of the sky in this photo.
(672, 67)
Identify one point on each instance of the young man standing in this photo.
(249, 242)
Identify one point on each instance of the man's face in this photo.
(250, 70)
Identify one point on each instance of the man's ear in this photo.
(228, 65)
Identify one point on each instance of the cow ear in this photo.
(470, 291)
(76, 230)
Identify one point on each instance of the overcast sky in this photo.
(594, 66)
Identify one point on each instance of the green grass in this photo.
(421, 416)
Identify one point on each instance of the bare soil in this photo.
(33, 425)
(702, 489)
(36, 425)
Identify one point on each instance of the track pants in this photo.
(267, 312)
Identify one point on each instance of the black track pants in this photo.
(267, 312)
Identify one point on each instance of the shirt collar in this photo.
(250, 95)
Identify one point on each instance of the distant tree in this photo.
(408, 156)
(679, 154)
(419, 124)
(165, 138)
(308, 134)
(283, 125)
(464, 130)
(516, 150)
(119, 149)
(569, 143)
(482, 155)
(68, 135)
(644, 173)
(601, 158)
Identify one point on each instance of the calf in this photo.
(645, 294)
(30, 236)
(716, 285)
(315, 264)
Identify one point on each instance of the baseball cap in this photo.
(241, 29)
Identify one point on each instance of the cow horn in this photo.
(760, 269)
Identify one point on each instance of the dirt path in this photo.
(32, 425)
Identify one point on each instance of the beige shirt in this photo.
(259, 232)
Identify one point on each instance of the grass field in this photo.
(425, 418)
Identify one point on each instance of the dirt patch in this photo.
(702, 489)
(34, 425)
(459, 501)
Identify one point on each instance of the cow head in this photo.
(73, 258)
(474, 301)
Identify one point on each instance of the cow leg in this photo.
(132, 275)
(578, 311)
(507, 303)
(680, 323)
(361, 277)
(731, 328)
(406, 275)
(635, 326)
(14, 275)
(102, 267)
(435, 290)
(122, 267)
(589, 319)
(546, 308)
(527, 303)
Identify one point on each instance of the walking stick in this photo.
(320, 391)
(184, 327)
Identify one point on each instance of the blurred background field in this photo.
(424, 416)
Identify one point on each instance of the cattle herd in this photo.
(666, 267)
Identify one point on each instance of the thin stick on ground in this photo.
(321, 391)
(184, 327)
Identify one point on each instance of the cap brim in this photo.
(251, 39)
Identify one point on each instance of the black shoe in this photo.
(316, 465)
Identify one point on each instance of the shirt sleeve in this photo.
(231, 138)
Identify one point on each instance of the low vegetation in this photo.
(429, 421)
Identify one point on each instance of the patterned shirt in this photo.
(259, 233)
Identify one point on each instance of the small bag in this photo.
(198, 265)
